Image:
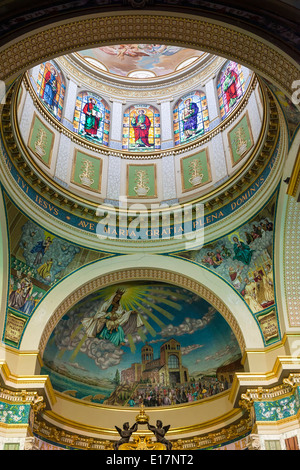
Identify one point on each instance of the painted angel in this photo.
(112, 322)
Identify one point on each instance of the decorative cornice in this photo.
(185, 31)
(157, 154)
(141, 274)
(43, 430)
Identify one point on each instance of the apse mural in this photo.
(38, 260)
(51, 88)
(126, 59)
(92, 118)
(230, 87)
(141, 342)
(244, 258)
(190, 117)
(141, 128)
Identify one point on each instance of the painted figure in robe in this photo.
(189, 118)
(93, 118)
(141, 125)
(50, 87)
(112, 322)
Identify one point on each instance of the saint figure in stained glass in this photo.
(141, 128)
(51, 88)
(93, 117)
(230, 87)
(189, 118)
(141, 124)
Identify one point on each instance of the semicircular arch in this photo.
(125, 268)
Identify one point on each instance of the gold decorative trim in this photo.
(240, 427)
(126, 154)
(139, 274)
(79, 204)
(186, 31)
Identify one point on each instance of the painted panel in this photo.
(195, 170)
(87, 171)
(141, 181)
(41, 141)
(240, 139)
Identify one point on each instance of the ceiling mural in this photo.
(141, 342)
(140, 60)
(38, 261)
(244, 258)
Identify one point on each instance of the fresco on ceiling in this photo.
(38, 260)
(125, 58)
(141, 128)
(190, 117)
(138, 342)
(244, 258)
(230, 87)
(92, 118)
(51, 88)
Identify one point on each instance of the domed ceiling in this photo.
(141, 60)
(138, 340)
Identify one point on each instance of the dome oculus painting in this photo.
(124, 59)
(150, 343)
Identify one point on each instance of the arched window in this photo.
(51, 88)
(173, 362)
(230, 87)
(92, 118)
(141, 128)
(190, 117)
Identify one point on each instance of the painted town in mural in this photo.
(137, 342)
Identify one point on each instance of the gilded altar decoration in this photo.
(87, 173)
(142, 443)
(195, 172)
(142, 418)
(142, 180)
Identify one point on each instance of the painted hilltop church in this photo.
(166, 370)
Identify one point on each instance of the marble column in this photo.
(166, 123)
(116, 124)
(69, 104)
(212, 103)
(113, 180)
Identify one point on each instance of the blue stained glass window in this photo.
(51, 88)
(190, 117)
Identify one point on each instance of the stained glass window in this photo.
(141, 128)
(230, 87)
(51, 88)
(190, 117)
(92, 118)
